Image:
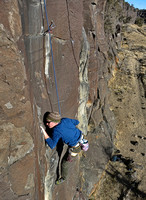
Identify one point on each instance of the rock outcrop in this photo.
(17, 163)
(126, 170)
(89, 59)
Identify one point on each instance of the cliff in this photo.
(91, 51)
(125, 172)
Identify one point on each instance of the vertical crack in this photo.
(70, 33)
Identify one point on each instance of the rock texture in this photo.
(88, 58)
(17, 168)
(128, 86)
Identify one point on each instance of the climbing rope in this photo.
(52, 57)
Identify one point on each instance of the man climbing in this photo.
(66, 130)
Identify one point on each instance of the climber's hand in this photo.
(44, 132)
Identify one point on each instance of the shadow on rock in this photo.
(129, 185)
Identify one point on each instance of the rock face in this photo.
(142, 14)
(127, 173)
(88, 57)
(17, 169)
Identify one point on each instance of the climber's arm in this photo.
(52, 142)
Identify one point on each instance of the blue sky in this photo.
(141, 4)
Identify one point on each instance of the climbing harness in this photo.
(74, 151)
(81, 145)
(49, 26)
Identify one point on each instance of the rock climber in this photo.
(65, 129)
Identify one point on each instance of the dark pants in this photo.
(68, 159)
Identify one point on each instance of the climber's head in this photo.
(52, 119)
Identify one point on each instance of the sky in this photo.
(141, 4)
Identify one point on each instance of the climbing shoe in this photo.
(59, 181)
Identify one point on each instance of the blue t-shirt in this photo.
(67, 131)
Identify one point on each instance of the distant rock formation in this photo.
(142, 14)
(128, 93)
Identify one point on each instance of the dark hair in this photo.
(45, 117)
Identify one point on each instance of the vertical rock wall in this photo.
(100, 119)
(84, 51)
(65, 39)
(17, 163)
